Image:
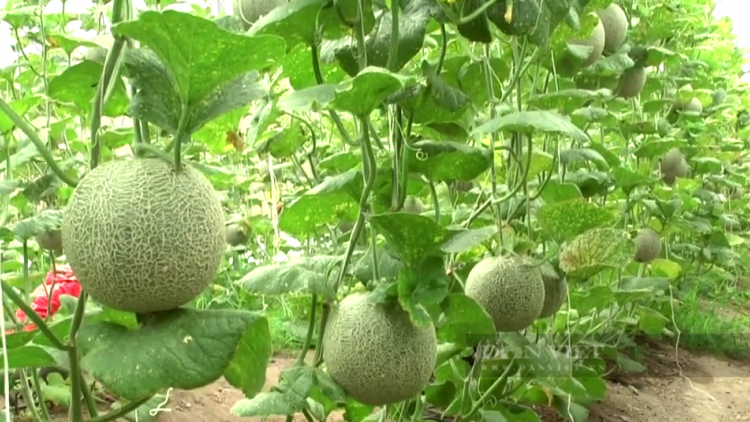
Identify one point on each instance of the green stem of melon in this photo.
(500, 382)
(473, 15)
(40, 145)
(178, 137)
(121, 411)
(392, 57)
(310, 330)
(33, 316)
(76, 387)
(103, 93)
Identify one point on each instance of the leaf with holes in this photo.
(595, 250)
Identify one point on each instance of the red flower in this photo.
(65, 283)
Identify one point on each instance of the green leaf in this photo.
(199, 56)
(412, 23)
(77, 85)
(368, 90)
(313, 98)
(21, 106)
(389, 267)
(531, 121)
(556, 192)
(268, 404)
(443, 94)
(595, 250)
(627, 180)
(157, 102)
(67, 43)
(308, 275)
(143, 412)
(465, 321)
(331, 200)
(29, 357)
(56, 390)
(570, 156)
(445, 161)
(567, 99)
(464, 240)
(564, 220)
(413, 237)
(235, 344)
(298, 21)
(286, 141)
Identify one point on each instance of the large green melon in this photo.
(376, 353)
(142, 237)
(509, 289)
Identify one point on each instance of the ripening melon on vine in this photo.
(142, 237)
(615, 25)
(413, 205)
(510, 289)
(632, 82)
(673, 165)
(555, 290)
(375, 352)
(647, 245)
(252, 10)
(566, 64)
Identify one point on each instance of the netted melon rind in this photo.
(509, 289)
(143, 238)
(236, 236)
(376, 353)
(615, 24)
(632, 82)
(555, 292)
(647, 245)
(595, 41)
(413, 205)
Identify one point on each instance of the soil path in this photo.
(702, 388)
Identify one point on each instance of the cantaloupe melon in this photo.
(555, 290)
(647, 245)
(615, 25)
(673, 164)
(595, 41)
(236, 235)
(413, 205)
(375, 352)
(142, 237)
(510, 289)
(252, 10)
(694, 105)
(632, 82)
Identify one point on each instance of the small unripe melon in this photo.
(236, 236)
(142, 237)
(693, 105)
(50, 240)
(647, 245)
(555, 291)
(673, 164)
(615, 25)
(252, 10)
(632, 82)
(376, 353)
(509, 289)
(265, 174)
(595, 41)
(462, 185)
(413, 205)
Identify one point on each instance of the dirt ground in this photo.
(701, 388)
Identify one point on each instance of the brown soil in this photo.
(701, 388)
